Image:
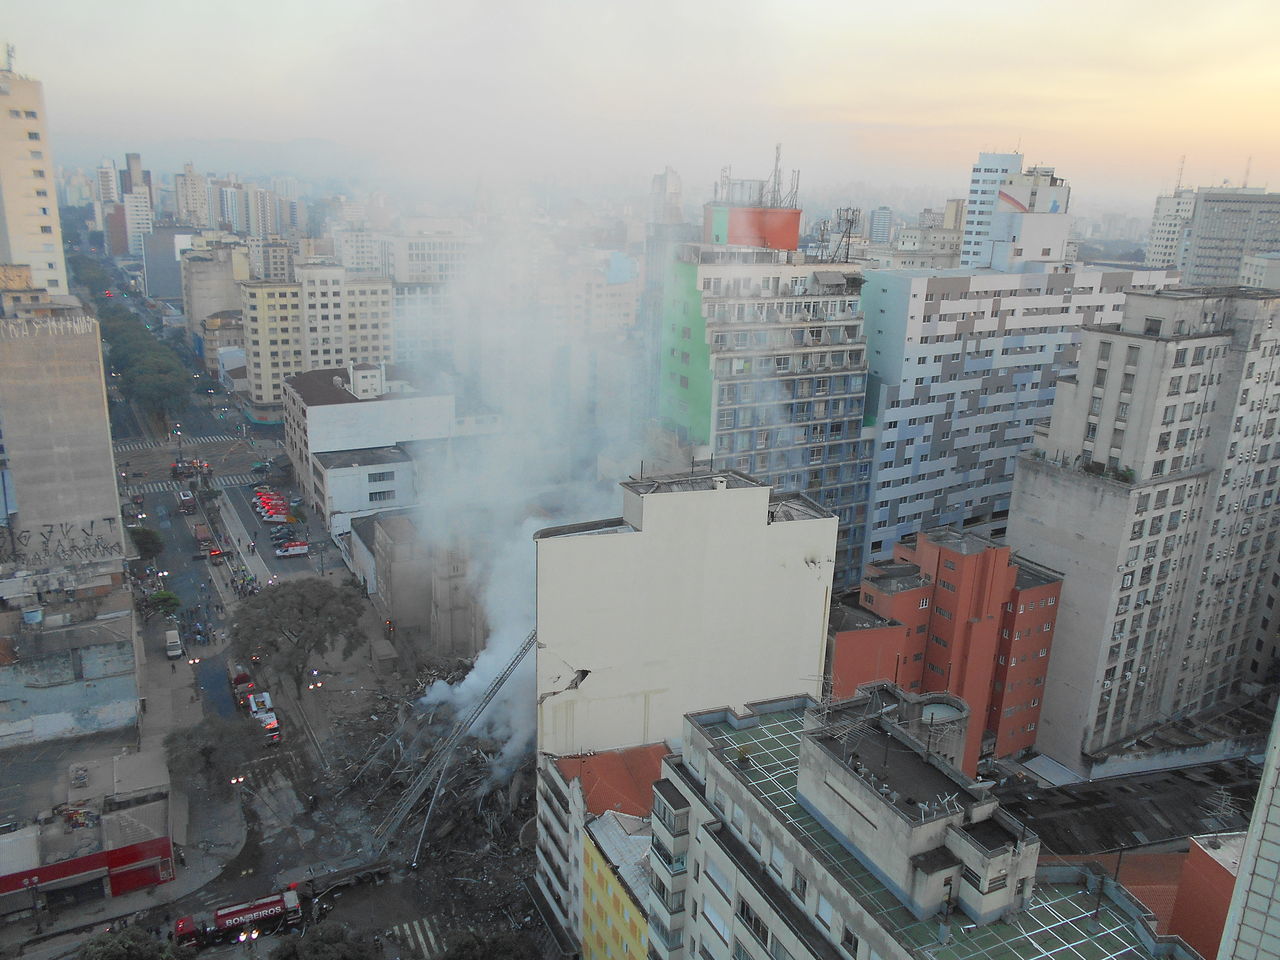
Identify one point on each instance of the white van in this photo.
(172, 644)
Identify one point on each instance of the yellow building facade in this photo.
(614, 924)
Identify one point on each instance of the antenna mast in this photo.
(1248, 164)
(8, 57)
(1182, 162)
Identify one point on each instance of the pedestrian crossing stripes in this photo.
(420, 938)
(172, 486)
(128, 446)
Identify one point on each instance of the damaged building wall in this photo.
(709, 595)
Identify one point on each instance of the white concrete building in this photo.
(1228, 224)
(1261, 270)
(1168, 230)
(30, 232)
(1154, 490)
(963, 363)
(708, 587)
(107, 182)
(138, 218)
(354, 435)
(1014, 216)
(191, 197)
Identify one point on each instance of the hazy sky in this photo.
(602, 92)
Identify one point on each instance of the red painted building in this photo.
(954, 612)
(112, 836)
(1205, 886)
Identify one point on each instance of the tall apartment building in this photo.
(880, 225)
(956, 613)
(324, 319)
(212, 271)
(30, 232)
(1168, 230)
(843, 831)
(1013, 215)
(763, 364)
(1252, 930)
(962, 365)
(1153, 489)
(1227, 225)
(1261, 270)
(107, 182)
(138, 219)
(191, 197)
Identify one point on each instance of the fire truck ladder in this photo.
(422, 782)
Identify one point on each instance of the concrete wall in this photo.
(705, 603)
(68, 694)
(54, 404)
(347, 492)
(1060, 521)
(384, 423)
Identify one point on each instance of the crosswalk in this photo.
(173, 486)
(129, 446)
(420, 938)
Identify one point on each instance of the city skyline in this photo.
(578, 94)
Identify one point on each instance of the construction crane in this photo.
(435, 768)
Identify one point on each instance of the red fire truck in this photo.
(241, 921)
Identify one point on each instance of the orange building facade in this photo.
(954, 612)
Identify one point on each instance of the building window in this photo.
(824, 912)
(849, 942)
(379, 496)
(799, 885)
(382, 477)
(924, 603)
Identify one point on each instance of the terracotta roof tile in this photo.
(620, 780)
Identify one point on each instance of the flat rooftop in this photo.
(685, 482)
(892, 576)
(1226, 848)
(1059, 923)
(1033, 575)
(373, 457)
(845, 615)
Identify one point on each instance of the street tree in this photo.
(326, 941)
(147, 542)
(164, 602)
(288, 624)
(213, 752)
(131, 943)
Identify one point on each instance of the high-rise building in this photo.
(1252, 930)
(324, 319)
(138, 219)
(763, 364)
(880, 225)
(1227, 225)
(1261, 270)
(30, 232)
(1169, 227)
(133, 179)
(107, 183)
(957, 613)
(1015, 216)
(1153, 489)
(212, 272)
(191, 196)
(962, 365)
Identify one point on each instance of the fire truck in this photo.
(241, 921)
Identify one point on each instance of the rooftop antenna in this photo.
(1247, 165)
(774, 199)
(8, 57)
(1177, 184)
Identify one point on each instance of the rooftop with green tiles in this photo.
(1064, 921)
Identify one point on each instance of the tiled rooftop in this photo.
(1060, 923)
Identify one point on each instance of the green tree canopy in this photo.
(163, 601)
(326, 941)
(148, 543)
(213, 752)
(131, 943)
(289, 623)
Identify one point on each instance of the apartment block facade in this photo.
(1015, 216)
(30, 231)
(1153, 489)
(763, 366)
(1227, 225)
(842, 831)
(324, 319)
(958, 613)
(962, 364)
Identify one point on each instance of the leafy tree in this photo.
(131, 943)
(506, 946)
(148, 543)
(289, 623)
(326, 941)
(211, 753)
(163, 601)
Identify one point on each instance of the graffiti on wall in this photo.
(50, 544)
